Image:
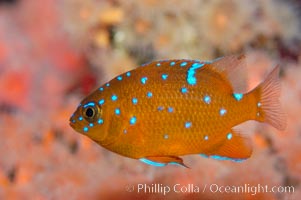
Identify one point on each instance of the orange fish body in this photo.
(167, 109)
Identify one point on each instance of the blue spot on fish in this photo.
(101, 89)
(229, 136)
(164, 76)
(172, 63)
(108, 84)
(100, 121)
(238, 96)
(222, 112)
(80, 118)
(158, 64)
(128, 74)
(170, 109)
(143, 80)
(89, 104)
(117, 111)
(191, 79)
(101, 101)
(149, 162)
(184, 90)
(149, 94)
(206, 137)
(119, 78)
(188, 124)
(207, 99)
(133, 120)
(135, 100)
(183, 64)
(85, 129)
(160, 108)
(91, 124)
(114, 97)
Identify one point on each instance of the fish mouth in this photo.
(72, 122)
(74, 126)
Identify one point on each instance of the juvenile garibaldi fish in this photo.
(170, 108)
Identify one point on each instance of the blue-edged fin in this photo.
(153, 163)
(267, 101)
(216, 157)
(235, 148)
(160, 161)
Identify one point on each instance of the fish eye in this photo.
(90, 113)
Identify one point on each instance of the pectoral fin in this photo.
(236, 148)
(160, 161)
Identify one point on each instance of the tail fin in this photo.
(268, 105)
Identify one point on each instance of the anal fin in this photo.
(160, 161)
(235, 148)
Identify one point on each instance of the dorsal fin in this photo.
(233, 68)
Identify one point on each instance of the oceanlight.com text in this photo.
(158, 188)
(250, 189)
